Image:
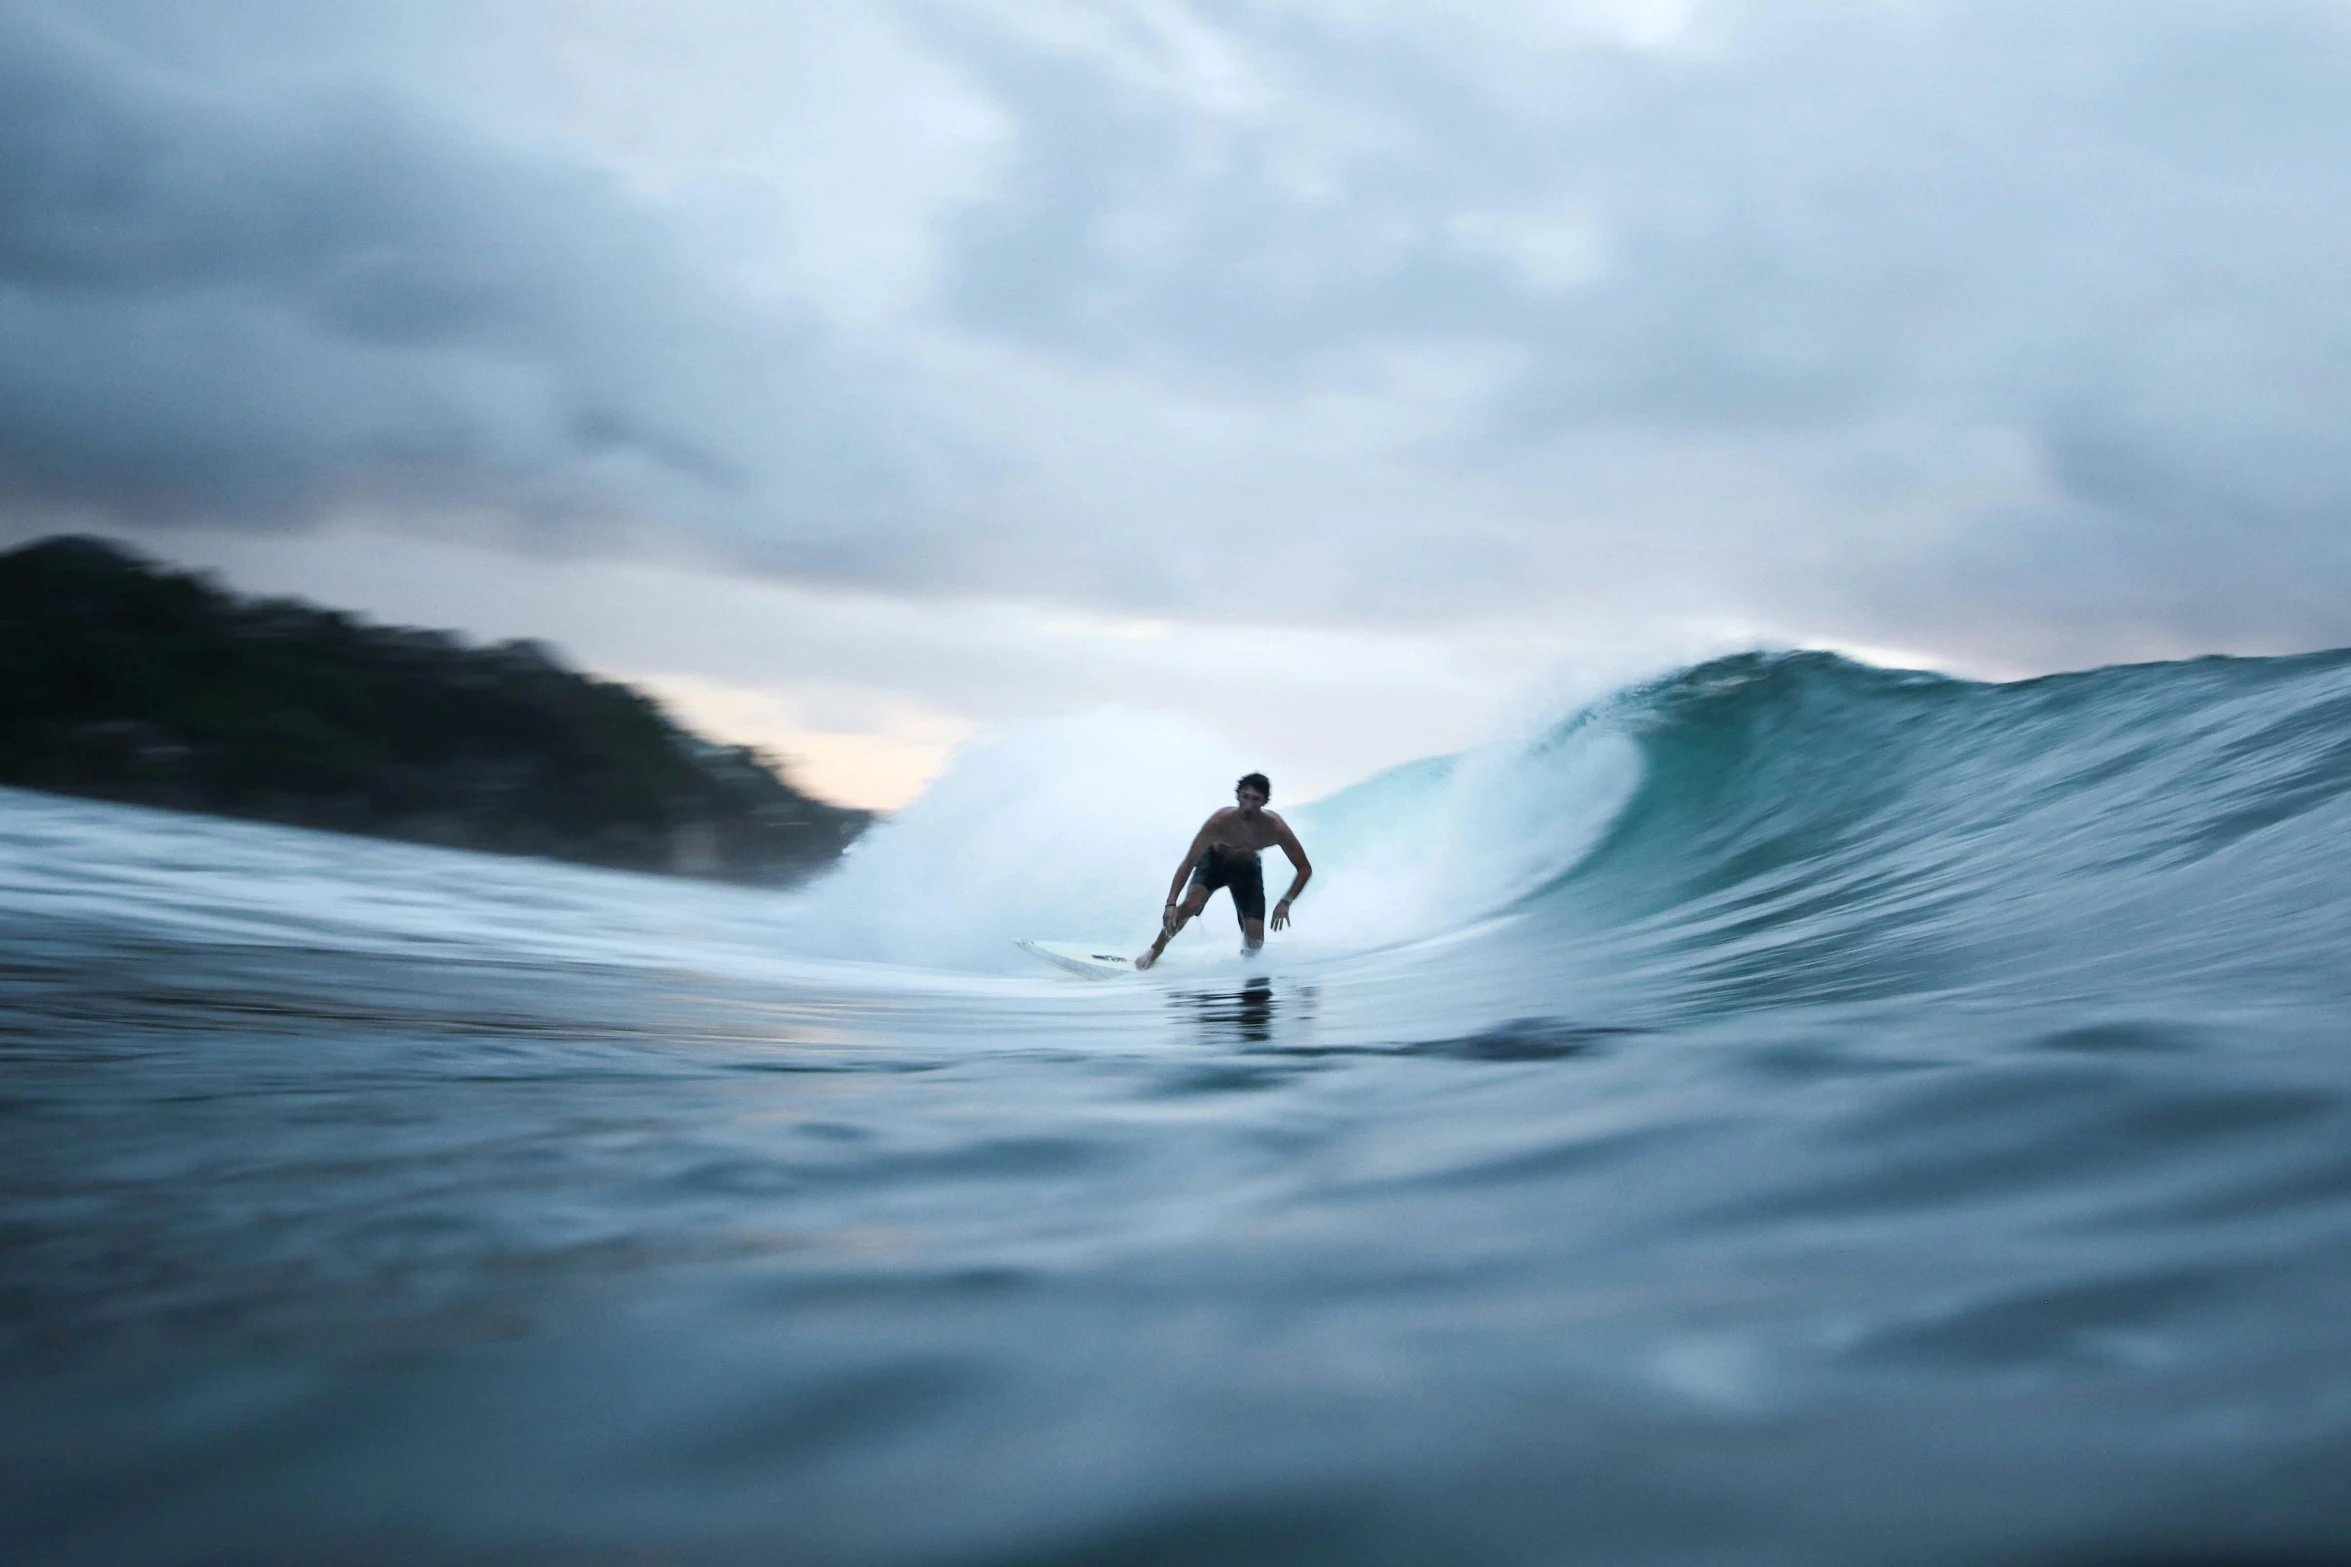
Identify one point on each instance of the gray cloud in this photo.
(257, 304)
(1135, 222)
(2111, 232)
(1974, 326)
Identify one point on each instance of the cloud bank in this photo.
(268, 304)
(2003, 332)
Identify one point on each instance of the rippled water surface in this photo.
(1789, 1113)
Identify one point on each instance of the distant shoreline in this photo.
(128, 680)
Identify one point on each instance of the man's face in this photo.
(1251, 799)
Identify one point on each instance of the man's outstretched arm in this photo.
(1296, 852)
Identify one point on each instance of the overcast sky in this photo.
(862, 376)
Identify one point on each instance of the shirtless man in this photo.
(1224, 854)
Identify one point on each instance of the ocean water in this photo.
(1787, 1112)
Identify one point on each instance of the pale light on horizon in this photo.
(881, 764)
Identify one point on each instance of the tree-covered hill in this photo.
(127, 680)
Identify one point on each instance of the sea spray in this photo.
(1072, 828)
(1062, 829)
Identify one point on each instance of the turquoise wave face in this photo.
(1807, 828)
(1791, 828)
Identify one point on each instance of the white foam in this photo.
(1426, 850)
(1071, 829)
(1067, 829)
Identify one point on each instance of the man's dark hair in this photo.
(1257, 781)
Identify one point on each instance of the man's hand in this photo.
(1281, 914)
(1167, 918)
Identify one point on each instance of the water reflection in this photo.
(1248, 1015)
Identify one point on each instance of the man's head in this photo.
(1253, 791)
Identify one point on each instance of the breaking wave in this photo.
(1762, 827)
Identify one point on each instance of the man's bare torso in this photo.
(1236, 832)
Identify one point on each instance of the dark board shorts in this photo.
(1242, 873)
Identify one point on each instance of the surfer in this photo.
(1224, 854)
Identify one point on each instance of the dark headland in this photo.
(124, 679)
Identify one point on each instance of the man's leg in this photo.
(1249, 908)
(1194, 901)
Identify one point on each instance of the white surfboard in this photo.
(1095, 960)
